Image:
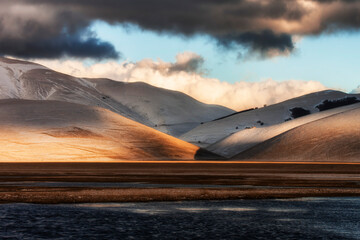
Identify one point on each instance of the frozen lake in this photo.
(303, 218)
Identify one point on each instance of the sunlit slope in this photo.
(215, 131)
(169, 111)
(60, 131)
(335, 138)
(247, 138)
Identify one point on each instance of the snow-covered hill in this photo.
(29, 81)
(168, 111)
(60, 131)
(247, 123)
(245, 139)
(70, 118)
(335, 138)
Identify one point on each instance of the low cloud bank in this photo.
(185, 75)
(356, 90)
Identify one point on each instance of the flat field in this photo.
(173, 181)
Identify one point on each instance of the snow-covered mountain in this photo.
(248, 124)
(29, 81)
(100, 119)
(60, 131)
(245, 139)
(334, 138)
(171, 112)
(168, 111)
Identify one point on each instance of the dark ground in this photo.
(26, 182)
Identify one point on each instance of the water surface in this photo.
(305, 218)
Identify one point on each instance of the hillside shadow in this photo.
(203, 154)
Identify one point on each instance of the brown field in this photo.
(223, 180)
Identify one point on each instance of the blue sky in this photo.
(330, 59)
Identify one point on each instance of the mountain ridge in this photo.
(26, 80)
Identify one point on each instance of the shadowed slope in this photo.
(335, 138)
(59, 131)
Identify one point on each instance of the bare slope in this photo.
(215, 131)
(335, 138)
(168, 111)
(247, 138)
(60, 131)
(171, 112)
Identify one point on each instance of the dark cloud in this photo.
(331, 1)
(74, 45)
(259, 25)
(265, 42)
(280, 9)
(29, 30)
(187, 62)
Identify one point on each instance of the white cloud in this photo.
(184, 76)
(356, 90)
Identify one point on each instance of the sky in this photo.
(330, 59)
(237, 53)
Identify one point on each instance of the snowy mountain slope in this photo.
(59, 131)
(25, 80)
(171, 112)
(215, 131)
(247, 138)
(335, 138)
(10, 72)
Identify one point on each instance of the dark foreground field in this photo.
(164, 181)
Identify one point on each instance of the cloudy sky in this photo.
(238, 49)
